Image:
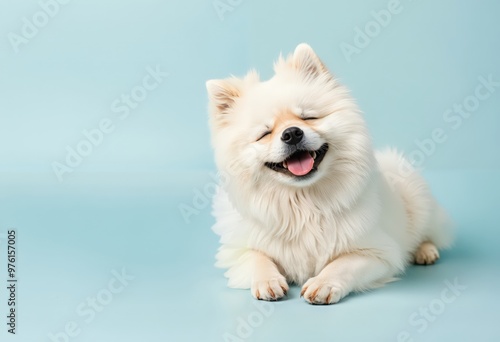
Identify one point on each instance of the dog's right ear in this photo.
(306, 60)
(222, 94)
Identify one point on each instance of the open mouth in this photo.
(300, 163)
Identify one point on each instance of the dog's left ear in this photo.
(222, 94)
(306, 60)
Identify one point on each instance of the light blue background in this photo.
(120, 207)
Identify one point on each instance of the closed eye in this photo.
(263, 135)
(310, 118)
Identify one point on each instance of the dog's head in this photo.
(296, 129)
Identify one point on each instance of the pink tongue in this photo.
(300, 164)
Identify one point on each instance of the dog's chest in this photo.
(300, 251)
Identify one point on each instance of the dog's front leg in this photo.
(346, 273)
(267, 282)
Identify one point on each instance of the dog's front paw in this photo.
(271, 289)
(426, 254)
(321, 291)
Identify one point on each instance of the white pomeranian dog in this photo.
(304, 198)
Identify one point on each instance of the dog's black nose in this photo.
(292, 135)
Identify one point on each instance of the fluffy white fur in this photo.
(353, 225)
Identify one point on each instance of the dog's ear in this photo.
(223, 94)
(306, 60)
